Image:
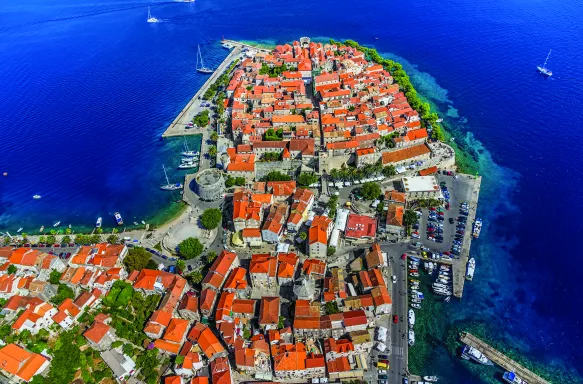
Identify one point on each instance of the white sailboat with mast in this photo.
(187, 152)
(201, 68)
(169, 186)
(543, 68)
(151, 19)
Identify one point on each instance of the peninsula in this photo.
(325, 208)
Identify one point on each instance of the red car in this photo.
(430, 229)
(447, 206)
(432, 209)
(403, 256)
(395, 319)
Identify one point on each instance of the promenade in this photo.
(459, 264)
(179, 127)
(501, 359)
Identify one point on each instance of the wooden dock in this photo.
(179, 126)
(501, 359)
(459, 265)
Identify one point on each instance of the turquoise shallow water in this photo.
(88, 88)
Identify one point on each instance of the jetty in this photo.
(501, 359)
(179, 127)
(459, 264)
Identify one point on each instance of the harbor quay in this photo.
(501, 359)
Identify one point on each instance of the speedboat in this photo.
(143, 222)
(471, 267)
(416, 300)
(98, 223)
(136, 223)
(19, 229)
(411, 337)
(411, 318)
(36, 197)
(416, 306)
(188, 165)
(431, 379)
(56, 224)
(42, 228)
(471, 353)
(118, 218)
(512, 378)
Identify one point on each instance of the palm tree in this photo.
(335, 174)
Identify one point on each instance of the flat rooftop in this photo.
(420, 184)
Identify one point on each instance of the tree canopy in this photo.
(211, 218)
(202, 119)
(276, 176)
(11, 269)
(63, 292)
(306, 179)
(190, 248)
(274, 135)
(54, 277)
(137, 259)
(370, 190)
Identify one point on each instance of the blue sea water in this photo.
(87, 88)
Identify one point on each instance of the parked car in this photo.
(395, 319)
(383, 356)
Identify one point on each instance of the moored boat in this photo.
(431, 379)
(512, 378)
(98, 223)
(169, 186)
(477, 228)
(19, 229)
(471, 353)
(471, 269)
(411, 337)
(411, 318)
(42, 228)
(118, 218)
(416, 306)
(57, 224)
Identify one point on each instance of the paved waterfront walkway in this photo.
(501, 359)
(459, 265)
(179, 126)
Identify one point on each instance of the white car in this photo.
(382, 371)
(394, 279)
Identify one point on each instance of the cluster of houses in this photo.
(314, 106)
(266, 321)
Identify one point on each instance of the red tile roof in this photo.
(269, 311)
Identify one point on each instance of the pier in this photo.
(501, 359)
(179, 126)
(459, 264)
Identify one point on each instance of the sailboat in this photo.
(187, 152)
(151, 19)
(543, 68)
(202, 68)
(169, 186)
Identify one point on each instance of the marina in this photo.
(498, 358)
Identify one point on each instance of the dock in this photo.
(460, 264)
(501, 359)
(243, 45)
(179, 126)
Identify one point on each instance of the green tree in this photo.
(331, 308)
(113, 239)
(24, 235)
(99, 231)
(11, 269)
(181, 265)
(214, 136)
(54, 277)
(370, 190)
(380, 207)
(66, 239)
(95, 239)
(389, 171)
(409, 219)
(114, 231)
(137, 259)
(240, 181)
(212, 151)
(42, 239)
(274, 135)
(306, 179)
(330, 251)
(202, 119)
(211, 218)
(190, 248)
(63, 292)
(195, 277)
(68, 231)
(51, 239)
(211, 256)
(303, 236)
(276, 176)
(229, 182)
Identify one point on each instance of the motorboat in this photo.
(416, 300)
(136, 223)
(143, 222)
(431, 379)
(512, 378)
(99, 222)
(411, 318)
(19, 229)
(42, 228)
(118, 218)
(57, 224)
(36, 197)
(471, 353)
(416, 306)
(477, 228)
(411, 337)
(470, 269)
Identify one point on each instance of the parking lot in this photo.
(460, 191)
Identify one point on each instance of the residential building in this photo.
(318, 236)
(421, 187)
(263, 271)
(360, 227)
(121, 364)
(21, 364)
(269, 313)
